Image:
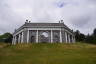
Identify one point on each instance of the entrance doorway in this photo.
(32, 39)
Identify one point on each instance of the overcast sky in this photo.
(77, 14)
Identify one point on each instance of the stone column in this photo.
(66, 37)
(51, 36)
(60, 37)
(19, 38)
(22, 38)
(28, 36)
(37, 36)
(13, 39)
(69, 38)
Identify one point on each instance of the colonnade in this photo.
(19, 38)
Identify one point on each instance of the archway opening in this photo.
(32, 39)
(44, 37)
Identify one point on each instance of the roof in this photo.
(26, 25)
(43, 24)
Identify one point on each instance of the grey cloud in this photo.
(80, 21)
(92, 1)
(8, 19)
(80, 13)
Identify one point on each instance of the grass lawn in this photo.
(79, 53)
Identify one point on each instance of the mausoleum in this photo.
(43, 33)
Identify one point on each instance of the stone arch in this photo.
(32, 39)
(44, 36)
(70, 38)
(56, 36)
(32, 36)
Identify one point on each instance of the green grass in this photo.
(79, 53)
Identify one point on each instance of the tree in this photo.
(6, 37)
(91, 38)
(94, 32)
(79, 36)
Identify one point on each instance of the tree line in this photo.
(6, 38)
(80, 37)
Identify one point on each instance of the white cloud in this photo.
(77, 14)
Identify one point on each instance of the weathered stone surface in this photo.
(43, 33)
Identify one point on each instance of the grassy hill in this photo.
(79, 53)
